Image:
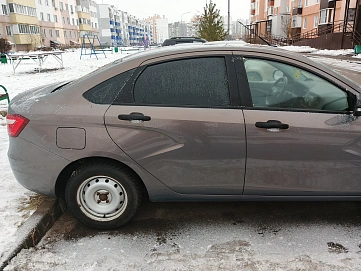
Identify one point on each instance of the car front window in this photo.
(297, 89)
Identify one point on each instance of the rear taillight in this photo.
(15, 124)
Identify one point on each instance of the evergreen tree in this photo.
(211, 25)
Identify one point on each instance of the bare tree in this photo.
(286, 25)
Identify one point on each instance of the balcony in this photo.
(297, 10)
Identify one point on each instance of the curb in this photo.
(34, 229)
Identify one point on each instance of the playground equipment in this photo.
(89, 40)
(4, 96)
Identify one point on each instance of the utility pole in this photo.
(229, 19)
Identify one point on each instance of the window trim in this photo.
(351, 97)
(231, 75)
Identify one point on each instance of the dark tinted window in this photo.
(188, 82)
(105, 92)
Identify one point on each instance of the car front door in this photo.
(183, 124)
(301, 138)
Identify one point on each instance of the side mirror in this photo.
(277, 74)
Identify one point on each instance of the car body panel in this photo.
(191, 150)
(319, 154)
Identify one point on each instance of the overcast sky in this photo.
(173, 9)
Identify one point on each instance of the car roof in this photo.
(205, 47)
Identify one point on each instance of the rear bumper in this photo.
(35, 168)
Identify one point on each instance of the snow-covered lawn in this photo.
(14, 196)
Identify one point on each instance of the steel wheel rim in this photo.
(102, 198)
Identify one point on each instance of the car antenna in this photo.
(252, 31)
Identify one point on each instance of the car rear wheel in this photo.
(103, 195)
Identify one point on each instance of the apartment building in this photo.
(31, 24)
(289, 18)
(19, 23)
(120, 28)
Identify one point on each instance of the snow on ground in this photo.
(14, 196)
(308, 49)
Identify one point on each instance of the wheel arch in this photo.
(65, 174)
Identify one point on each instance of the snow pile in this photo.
(299, 49)
(334, 52)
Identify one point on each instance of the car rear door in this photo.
(181, 121)
(305, 142)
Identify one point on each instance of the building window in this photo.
(68, 20)
(72, 19)
(8, 30)
(57, 33)
(315, 21)
(51, 33)
(66, 6)
(5, 9)
(39, 1)
(306, 3)
(46, 2)
(53, 3)
(55, 18)
(63, 20)
(71, 9)
(64, 34)
(61, 5)
(326, 15)
(70, 34)
(44, 33)
(96, 25)
(41, 16)
(304, 23)
(48, 15)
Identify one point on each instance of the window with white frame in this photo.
(41, 16)
(21, 9)
(9, 31)
(326, 15)
(44, 32)
(304, 23)
(55, 18)
(39, 1)
(4, 9)
(46, 2)
(57, 33)
(315, 21)
(50, 33)
(49, 19)
(64, 34)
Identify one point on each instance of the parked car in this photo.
(182, 40)
(185, 123)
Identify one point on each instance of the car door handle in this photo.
(134, 116)
(272, 124)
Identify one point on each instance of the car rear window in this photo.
(106, 91)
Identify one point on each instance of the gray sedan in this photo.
(189, 123)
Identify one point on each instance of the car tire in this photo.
(103, 195)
